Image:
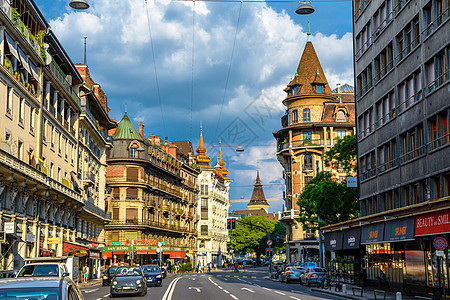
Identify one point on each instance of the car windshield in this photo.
(129, 271)
(39, 270)
(151, 269)
(112, 270)
(319, 270)
(295, 270)
(29, 294)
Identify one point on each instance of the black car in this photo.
(152, 275)
(48, 288)
(108, 275)
(128, 280)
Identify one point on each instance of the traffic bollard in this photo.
(398, 296)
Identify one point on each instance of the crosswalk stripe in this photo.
(253, 276)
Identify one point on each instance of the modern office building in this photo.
(402, 55)
(315, 118)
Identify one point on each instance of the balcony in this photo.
(88, 178)
(308, 167)
(56, 71)
(288, 215)
(91, 207)
(120, 223)
(165, 207)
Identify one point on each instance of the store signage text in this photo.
(432, 223)
(141, 242)
(373, 234)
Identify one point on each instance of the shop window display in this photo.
(385, 260)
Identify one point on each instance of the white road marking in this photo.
(234, 297)
(292, 297)
(257, 285)
(220, 287)
(279, 293)
(225, 279)
(267, 289)
(98, 299)
(169, 292)
(247, 289)
(195, 288)
(298, 292)
(226, 291)
(106, 296)
(90, 291)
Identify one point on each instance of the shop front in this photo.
(431, 271)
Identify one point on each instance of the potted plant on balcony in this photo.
(15, 15)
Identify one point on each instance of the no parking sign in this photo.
(440, 243)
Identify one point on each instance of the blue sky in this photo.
(236, 95)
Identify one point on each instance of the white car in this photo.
(44, 269)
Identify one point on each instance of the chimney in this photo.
(141, 130)
(338, 88)
(152, 139)
(157, 140)
(173, 150)
(190, 159)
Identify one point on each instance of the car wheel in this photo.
(301, 283)
(308, 283)
(111, 295)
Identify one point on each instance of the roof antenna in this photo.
(125, 108)
(309, 34)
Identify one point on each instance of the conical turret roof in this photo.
(309, 73)
(202, 159)
(258, 197)
(126, 131)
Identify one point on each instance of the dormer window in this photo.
(340, 116)
(295, 90)
(318, 89)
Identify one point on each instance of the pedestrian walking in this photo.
(243, 266)
(209, 267)
(85, 273)
(236, 267)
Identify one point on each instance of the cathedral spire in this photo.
(202, 159)
(258, 200)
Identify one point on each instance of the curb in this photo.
(271, 279)
(335, 294)
(91, 283)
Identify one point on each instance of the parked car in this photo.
(152, 275)
(291, 273)
(48, 288)
(308, 264)
(314, 276)
(128, 280)
(7, 274)
(44, 269)
(108, 275)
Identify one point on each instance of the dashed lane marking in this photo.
(234, 297)
(292, 297)
(279, 293)
(253, 276)
(226, 291)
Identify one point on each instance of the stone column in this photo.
(37, 240)
(45, 236)
(331, 136)
(22, 246)
(55, 101)
(325, 136)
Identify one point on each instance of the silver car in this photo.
(314, 276)
(291, 273)
(39, 288)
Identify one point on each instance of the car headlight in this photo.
(138, 281)
(158, 276)
(114, 282)
(105, 277)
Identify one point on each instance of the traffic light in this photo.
(233, 224)
(278, 238)
(229, 224)
(269, 252)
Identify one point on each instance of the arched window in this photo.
(340, 116)
(306, 115)
(294, 116)
(308, 164)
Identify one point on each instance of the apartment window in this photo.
(132, 174)
(133, 153)
(59, 174)
(66, 148)
(360, 5)
(204, 203)
(437, 187)
(364, 39)
(204, 213)
(204, 189)
(20, 150)
(59, 142)
(115, 213)
(306, 115)
(132, 193)
(318, 89)
(385, 109)
(52, 165)
(294, 116)
(430, 75)
(307, 136)
(131, 215)
(116, 193)
(366, 123)
(410, 90)
(9, 100)
(341, 134)
(308, 179)
(367, 165)
(364, 81)
(308, 162)
(428, 18)
(439, 130)
(21, 110)
(441, 68)
(340, 116)
(44, 130)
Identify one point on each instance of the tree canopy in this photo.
(343, 154)
(251, 239)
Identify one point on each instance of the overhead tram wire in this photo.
(193, 56)
(229, 69)
(154, 65)
(268, 1)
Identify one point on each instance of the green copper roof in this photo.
(126, 131)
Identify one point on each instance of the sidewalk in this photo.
(91, 282)
(368, 293)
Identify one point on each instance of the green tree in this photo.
(328, 200)
(343, 154)
(251, 239)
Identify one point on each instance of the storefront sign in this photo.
(10, 227)
(69, 247)
(80, 253)
(115, 243)
(52, 240)
(94, 254)
(352, 238)
(399, 230)
(352, 182)
(333, 241)
(117, 248)
(31, 238)
(141, 242)
(433, 223)
(371, 234)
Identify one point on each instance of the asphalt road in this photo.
(218, 285)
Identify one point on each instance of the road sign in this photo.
(440, 243)
(440, 253)
(269, 242)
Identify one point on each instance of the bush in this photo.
(186, 267)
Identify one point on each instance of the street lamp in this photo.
(305, 9)
(240, 149)
(79, 4)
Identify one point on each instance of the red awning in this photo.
(69, 247)
(141, 252)
(177, 254)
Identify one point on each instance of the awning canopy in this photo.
(372, 234)
(33, 71)
(333, 240)
(11, 45)
(399, 230)
(24, 60)
(352, 238)
(75, 179)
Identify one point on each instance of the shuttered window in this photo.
(115, 213)
(132, 174)
(132, 193)
(116, 193)
(115, 236)
(132, 214)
